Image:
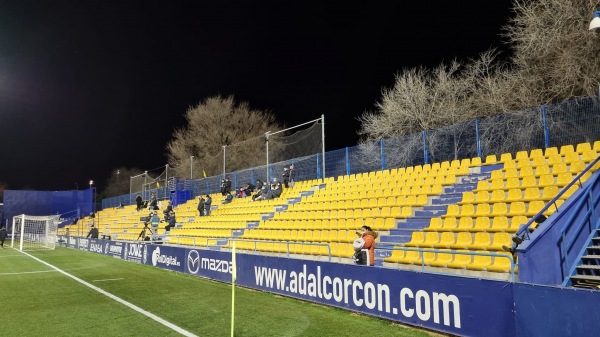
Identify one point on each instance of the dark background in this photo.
(89, 86)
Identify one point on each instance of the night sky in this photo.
(89, 86)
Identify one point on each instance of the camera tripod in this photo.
(143, 232)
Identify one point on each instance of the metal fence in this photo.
(570, 122)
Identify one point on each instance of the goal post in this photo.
(34, 232)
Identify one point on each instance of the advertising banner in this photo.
(208, 263)
(165, 257)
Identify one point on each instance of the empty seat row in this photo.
(459, 259)
(482, 223)
(376, 212)
(500, 209)
(343, 223)
(460, 240)
(514, 194)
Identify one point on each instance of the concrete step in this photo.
(446, 200)
(430, 214)
(403, 231)
(490, 168)
(394, 239)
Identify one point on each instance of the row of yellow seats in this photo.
(388, 192)
(562, 179)
(370, 185)
(220, 233)
(350, 204)
(192, 241)
(343, 250)
(453, 260)
(403, 177)
(460, 240)
(375, 212)
(476, 224)
(331, 235)
(446, 166)
(548, 152)
(539, 170)
(216, 225)
(515, 194)
(377, 224)
(500, 208)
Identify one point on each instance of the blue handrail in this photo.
(524, 228)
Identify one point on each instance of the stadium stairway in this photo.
(587, 273)
(438, 206)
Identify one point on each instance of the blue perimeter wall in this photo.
(46, 202)
(450, 304)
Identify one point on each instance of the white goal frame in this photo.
(34, 232)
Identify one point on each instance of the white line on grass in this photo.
(108, 279)
(118, 299)
(29, 272)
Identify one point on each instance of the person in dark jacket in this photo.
(139, 202)
(207, 204)
(171, 220)
(286, 177)
(168, 211)
(201, 206)
(2, 236)
(93, 233)
(153, 203)
(228, 185)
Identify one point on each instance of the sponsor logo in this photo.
(84, 243)
(193, 261)
(158, 258)
(72, 241)
(222, 266)
(145, 257)
(135, 250)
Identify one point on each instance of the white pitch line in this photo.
(30, 272)
(108, 279)
(118, 299)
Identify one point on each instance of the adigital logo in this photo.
(193, 261)
(164, 259)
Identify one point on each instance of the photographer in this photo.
(171, 220)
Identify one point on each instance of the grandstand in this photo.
(424, 213)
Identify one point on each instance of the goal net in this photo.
(34, 232)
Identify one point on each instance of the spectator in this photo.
(201, 206)
(369, 236)
(286, 177)
(245, 191)
(261, 194)
(277, 190)
(227, 185)
(168, 210)
(518, 239)
(154, 221)
(259, 185)
(93, 233)
(3, 236)
(153, 203)
(223, 187)
(139, 202)
(207, 204)
(227, 199)
(120, 206)
(171, 220)
(292, 175)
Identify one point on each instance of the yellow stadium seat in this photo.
(450, 224)
(500, 239)
(499, 209)
(536, 206)
(564, 179)
(411, 257)
(397, 256)
(521, 155)
(550, 151)
(480, 262)
(516, 222)
(537, 161)
(476, 161)
(512, 183)
(566, 149)
(461, 261)
(482, 196)
(555, 158)
(505, 157)
(589, 156)
(491, 159)
(596, 146)
(497, 196)
(467, 210)
(526, 171)
(559, 168)
(431, 239)
(549, 192)
(532, 193)
(463, 240)
(571, 157)
(447, 239)
(417, 239)
(577, 166)
(499, 224)
(483, 209)
(546, 180)
(482, 223)
(482, 241)
(501, 264)
(528, 181)
(582, 147)
(517, 208)
(535, 153)
(465, 223)
(442, 259)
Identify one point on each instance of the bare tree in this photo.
(118, 181)
(555, 58)
(214, 123)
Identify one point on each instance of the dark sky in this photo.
(89, 86)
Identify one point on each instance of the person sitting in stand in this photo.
(168, 210)
(245, 191)
(93, 233)
(171, 221)
(153, 203)
(227, 185)
(277, 190)
(259, 185)
(228, 199)
(261, 194)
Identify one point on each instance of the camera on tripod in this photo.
(145, 219)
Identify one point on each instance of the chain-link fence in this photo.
(570, 122)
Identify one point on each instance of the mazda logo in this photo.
(193, 261)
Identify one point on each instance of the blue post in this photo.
(318, 167)
(425, 155)
(235, 184)
(382, 154)
(252, 176)
(546, 131)
(206, 181)
(347, 162)
(479, 154)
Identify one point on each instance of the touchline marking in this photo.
(29, 272)
(118, 299)
(108, 279)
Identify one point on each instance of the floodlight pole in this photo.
(191, 167)
(166, 179)
(130, 189)
(267, 149)
(224, 146)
